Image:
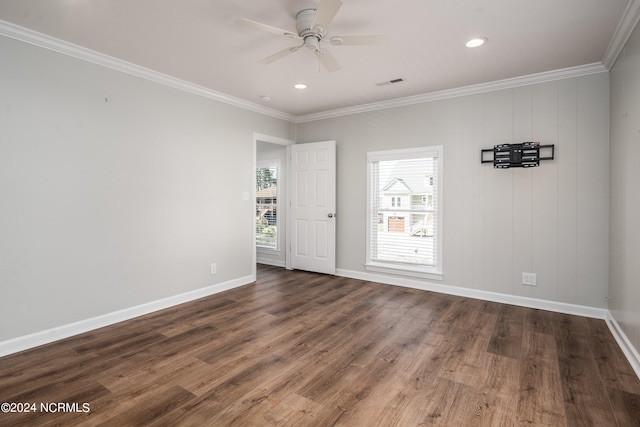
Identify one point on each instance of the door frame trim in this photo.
(287, 143)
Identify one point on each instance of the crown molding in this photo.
(547, 76)
(10, 30)
(26, 35)
(625, 27)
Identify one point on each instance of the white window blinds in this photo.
(267, 221)
(404, 210)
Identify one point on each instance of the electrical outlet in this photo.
(528, 279)
(213, 268)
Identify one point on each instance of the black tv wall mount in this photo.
(520, 155)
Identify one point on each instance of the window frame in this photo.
(264, 164)
(413, 270)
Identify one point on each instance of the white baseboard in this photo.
(625, 345)
(15, 345)
(579, 310)
(54, 334)
(560, 307)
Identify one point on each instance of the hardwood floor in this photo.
(304, 349)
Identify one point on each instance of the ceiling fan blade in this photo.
(273, 58)
(327, 9)
(267, 28)
(360, 39)
(327, 60)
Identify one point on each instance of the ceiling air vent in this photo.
(399, 80)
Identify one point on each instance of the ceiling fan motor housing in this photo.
(311, 26)
(304, 19)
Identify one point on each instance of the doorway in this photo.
(294, 184)
(270, 200)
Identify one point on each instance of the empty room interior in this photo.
(320, 212)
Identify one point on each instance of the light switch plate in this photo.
(529, 279)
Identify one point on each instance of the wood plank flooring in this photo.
(304, 349)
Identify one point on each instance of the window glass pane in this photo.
(404, 215)
(267, 207)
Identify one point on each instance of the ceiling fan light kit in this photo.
(311, 27)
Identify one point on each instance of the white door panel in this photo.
(313, 206)
(301, 231)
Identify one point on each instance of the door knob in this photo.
(330, 215)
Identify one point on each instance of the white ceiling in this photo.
(198, 41)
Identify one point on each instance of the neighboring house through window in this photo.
(404, 220)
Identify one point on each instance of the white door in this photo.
(313, 207)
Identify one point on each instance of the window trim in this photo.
(426, 272)
(261, 164)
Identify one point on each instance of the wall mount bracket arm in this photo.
(520, 155)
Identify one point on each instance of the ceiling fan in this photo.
(311, 27)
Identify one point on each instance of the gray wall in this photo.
(551, 220)
(115, 191)
(624, 280)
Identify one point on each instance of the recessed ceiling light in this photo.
(300, 86)
(476, 42)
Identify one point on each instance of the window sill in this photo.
(422, 273)
(266, 250)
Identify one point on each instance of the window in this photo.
(267, 205)
(405, 238)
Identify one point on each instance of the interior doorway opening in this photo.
(270, 201)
